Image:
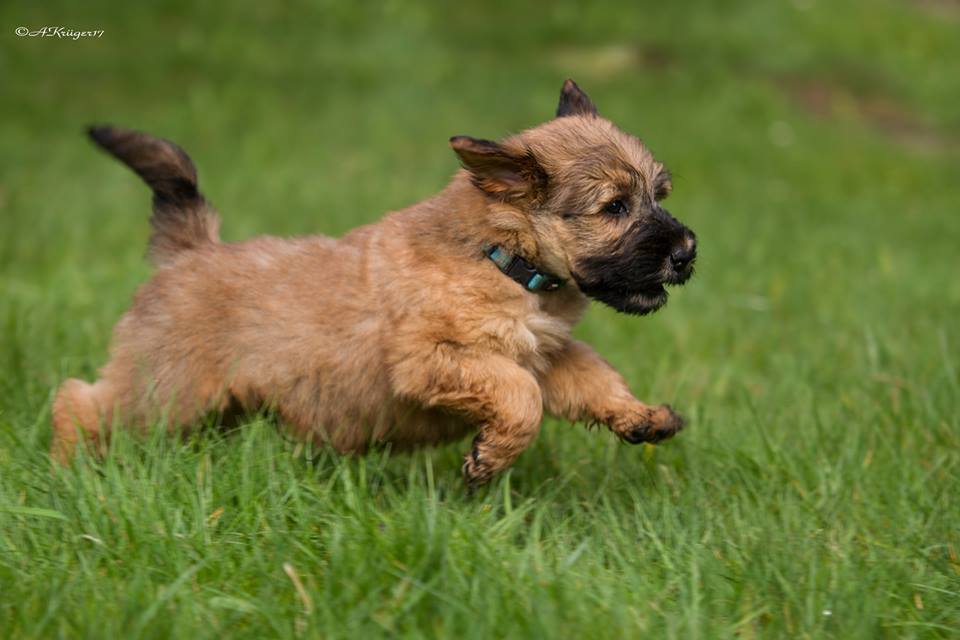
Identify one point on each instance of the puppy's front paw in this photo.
(651, 424)
(475, 470)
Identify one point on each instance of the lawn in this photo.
(816, 493)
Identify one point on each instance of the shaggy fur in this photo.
(402, 331)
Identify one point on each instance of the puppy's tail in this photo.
(182, 219)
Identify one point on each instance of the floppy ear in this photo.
(574, 102)
(662, 185)
(502, 172)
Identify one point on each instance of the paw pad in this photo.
(658, 424)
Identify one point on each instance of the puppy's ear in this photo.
(500, 171)
(574, 102)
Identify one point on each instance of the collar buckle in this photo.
(522, 271)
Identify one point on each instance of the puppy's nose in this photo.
(684, 255)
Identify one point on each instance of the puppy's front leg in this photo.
(580, 385)
(494, 392)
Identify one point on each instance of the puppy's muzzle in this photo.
(679, 265)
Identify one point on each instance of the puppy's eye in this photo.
(616, 207)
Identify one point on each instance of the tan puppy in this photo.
(447, 318)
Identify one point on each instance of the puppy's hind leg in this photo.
(82, 413)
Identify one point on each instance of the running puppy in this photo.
(447, 318)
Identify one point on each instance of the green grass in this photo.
(816, 492)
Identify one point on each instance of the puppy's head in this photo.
(589, 196)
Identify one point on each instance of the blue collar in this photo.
(521, 271)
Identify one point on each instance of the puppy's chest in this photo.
(529, 336)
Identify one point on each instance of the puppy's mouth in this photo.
(624, 298)
(631, 277)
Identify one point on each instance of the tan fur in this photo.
(401, 332)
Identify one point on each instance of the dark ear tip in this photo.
(473, 145)
(465, 143)
(574, 101)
